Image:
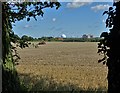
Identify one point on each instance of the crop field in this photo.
(62, 66)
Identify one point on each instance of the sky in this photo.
(72, 19)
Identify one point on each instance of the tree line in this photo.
(55, 39)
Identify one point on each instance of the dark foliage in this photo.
(12, 12)
(81, 40)
(109, 46)
(10, 82)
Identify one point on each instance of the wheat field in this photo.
(62, 66)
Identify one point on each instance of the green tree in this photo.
(31, 38)
(109, 46)
(12, 12)
(25, 38)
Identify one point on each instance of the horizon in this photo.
(61, 36)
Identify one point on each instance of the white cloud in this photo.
(100, 7)
(77, 3)
(103, 21)
(54, 19)
(27, 26)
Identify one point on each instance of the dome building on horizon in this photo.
(87, 36)
(63, 36)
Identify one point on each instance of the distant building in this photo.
(87, 36)
(84, 36)
(90, 36)
(63, 36)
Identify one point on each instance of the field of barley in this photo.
(62, 66)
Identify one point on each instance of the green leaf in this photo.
(104, 34)
(36, 7)
(104, 62)
(110, 8)
(105, 12)
(100, 60)
(28, 19)
(30, 14)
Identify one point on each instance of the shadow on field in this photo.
(44, 84)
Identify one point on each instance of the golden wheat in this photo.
(66, 63)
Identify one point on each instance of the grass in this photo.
(62, 66)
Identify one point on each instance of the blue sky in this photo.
(72, 19)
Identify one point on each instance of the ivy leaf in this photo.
(105, 12)
(30, 14)
(103, 59)
(104, 62)
(58, 5)
(28, 19)
(110, 8)
(104, 34)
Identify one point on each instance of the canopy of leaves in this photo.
(18, 11)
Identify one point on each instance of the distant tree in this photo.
(109, 46)
(25, 38)
(31, 38)
(12, 12)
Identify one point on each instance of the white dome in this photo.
(63, 36)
